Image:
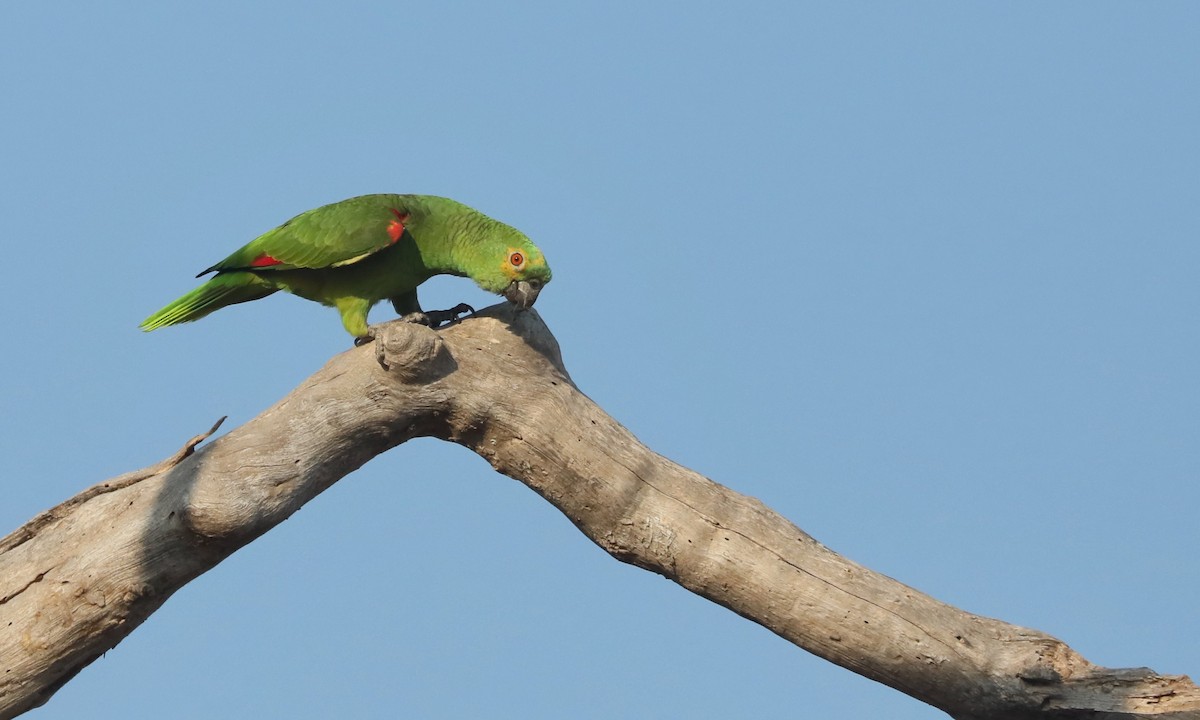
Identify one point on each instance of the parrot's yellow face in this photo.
(521, 264)
(520, 274)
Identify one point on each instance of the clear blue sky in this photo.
(923, 277)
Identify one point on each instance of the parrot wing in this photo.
(327, 237)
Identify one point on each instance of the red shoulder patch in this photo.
(396, 227)
(265, 260)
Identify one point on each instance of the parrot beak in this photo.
(523, 293)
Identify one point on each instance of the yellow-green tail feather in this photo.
(222, 290)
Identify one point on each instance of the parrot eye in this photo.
(516, 260)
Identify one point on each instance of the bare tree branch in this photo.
(80, 577)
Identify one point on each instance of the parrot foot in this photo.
(364, 339)
(440, 318)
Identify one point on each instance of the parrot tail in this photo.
(224, 289)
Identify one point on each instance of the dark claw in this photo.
(364, 339)
(442, 318)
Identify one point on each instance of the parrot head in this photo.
(518, 271)
(498, 257)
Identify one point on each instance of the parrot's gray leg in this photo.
(418, 318)
(406, 304)
(438, 318)
(409, 310)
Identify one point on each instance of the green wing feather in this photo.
(329, 236)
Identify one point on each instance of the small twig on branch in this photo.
(30, 528)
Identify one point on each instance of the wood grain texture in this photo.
(80, 577)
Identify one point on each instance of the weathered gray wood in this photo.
(77, 579)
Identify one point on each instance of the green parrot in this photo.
(354, 253)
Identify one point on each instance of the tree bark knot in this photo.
(412, 353)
